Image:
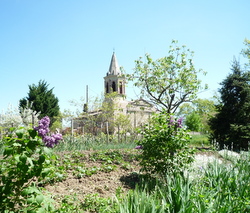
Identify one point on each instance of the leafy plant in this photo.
(164, 145)
(94, 203)
(25, 160)
(108, 157)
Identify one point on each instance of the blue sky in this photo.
(69, 44)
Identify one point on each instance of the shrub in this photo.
(164, 145)
(26, 159)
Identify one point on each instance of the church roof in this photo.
(114, 67)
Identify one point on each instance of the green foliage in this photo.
(25, 159)
(43, 100)
(168, 81)
(123, 125)
(225, 188)
(193, 122)
(231, 125)
(164, 145)
(200, 140)
(142, 201)
(204, 108)
(94, 203)
(217, 188)
(57, 122)
(90, 203)
(92, 142)
(185, 109)
(246, 51)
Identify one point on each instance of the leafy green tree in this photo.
(168, 81)
(231, 124)
(203, 108)
(185, 109)
(43, 100)
(193, 122)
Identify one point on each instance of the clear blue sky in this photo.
(69, 44)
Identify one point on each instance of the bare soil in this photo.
(103, 183)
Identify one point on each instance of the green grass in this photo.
(89, 142)
(102, 142)
(200, 140)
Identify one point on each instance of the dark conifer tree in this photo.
(231, 125)
(43, 99)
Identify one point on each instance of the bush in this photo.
(164, 145)
(26, 160)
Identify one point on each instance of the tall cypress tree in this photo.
(231, 124)
(43, 99)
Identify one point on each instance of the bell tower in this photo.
(114, 81)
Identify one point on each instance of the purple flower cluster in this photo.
(43, 130)
(43, 126)
(139, 147)
(179, 122)
(174, 122)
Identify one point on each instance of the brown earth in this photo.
(103, 183)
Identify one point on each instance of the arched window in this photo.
(107, 87)
(120, 88)
(113, 86)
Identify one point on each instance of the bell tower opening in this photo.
(107, 87)
(113, 87)
(121, 88)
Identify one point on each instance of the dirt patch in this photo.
(109, 177)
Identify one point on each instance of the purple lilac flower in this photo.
(43, 126)
(179, 122)
(171, 121)
(43, 130)
(139, 147)
(51, 141)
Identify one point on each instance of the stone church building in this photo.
(136, 111)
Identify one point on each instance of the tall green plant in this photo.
(164, 145)
(26, 159)
(218, 187)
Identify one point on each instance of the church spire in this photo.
(114, 81)
(114, 67)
